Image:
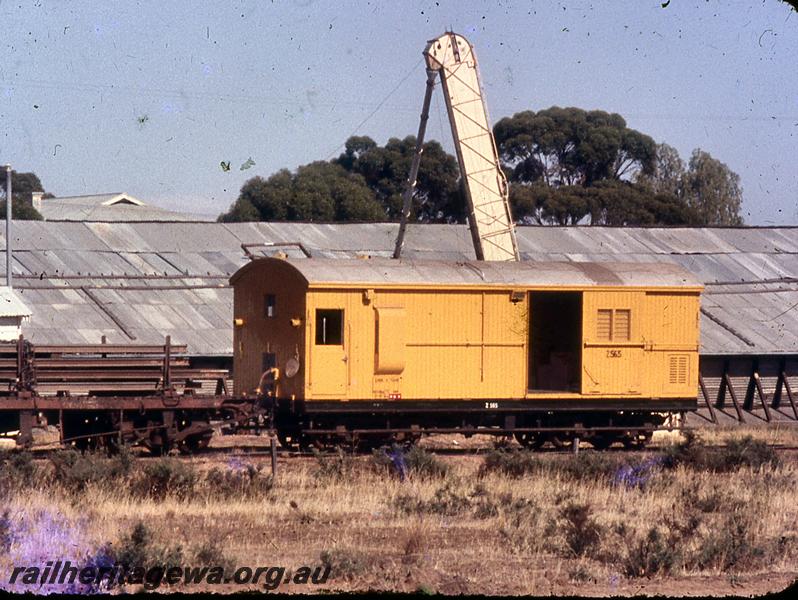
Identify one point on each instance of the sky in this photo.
(149, 98)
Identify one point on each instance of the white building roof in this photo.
(115, 207)
(11, 305)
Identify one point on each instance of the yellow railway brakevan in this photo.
(378, 346)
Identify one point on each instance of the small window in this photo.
(329, 327)
(270, 302)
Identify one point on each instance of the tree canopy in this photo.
(565, 166)
(319, 191)
(709, 189)
(22, 185)
(712, 190)
(571, 146)
(385, 169)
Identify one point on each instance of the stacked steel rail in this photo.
(107, 394)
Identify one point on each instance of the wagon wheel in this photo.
(529, 439)
(561, 441)
(602, 441)
(195, 443)
(637, 440)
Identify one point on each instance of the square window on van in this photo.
(329, 327)
(270, 306)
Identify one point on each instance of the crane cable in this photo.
(378, 107)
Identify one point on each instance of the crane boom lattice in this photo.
(452, 57)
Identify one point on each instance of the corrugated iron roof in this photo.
(109, 207)
(750, 274)
(11, 305)
(388, 272)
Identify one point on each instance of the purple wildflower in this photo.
(398, 460)
(41, 538)
(636, 476)
(234, 463)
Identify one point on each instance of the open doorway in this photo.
(555, 341)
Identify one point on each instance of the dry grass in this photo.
(558, 528)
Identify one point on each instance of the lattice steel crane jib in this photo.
(452, 57)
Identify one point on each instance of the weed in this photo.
(582, 533)
(689, 452)
(133, 550)
(18, 471)
(591, 466)
(415, 462)
(511, 463)
(414, 543)
(74, 471)
(137, 550)
(165, 477)
(654, 554)
(447, 501)
(337, 466)
(425, 464)
(6, 532)
(738, 453)
(520, 527)
(748, 452)
(580, 573)
(211, 553)
(243, 480)
(731, 546)
(637, 476)
(345, 563)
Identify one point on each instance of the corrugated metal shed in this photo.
(152, 279)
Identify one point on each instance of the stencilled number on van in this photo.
(491, 405)
(613, 354)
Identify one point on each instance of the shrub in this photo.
(512, 463)
(748, 452)
(690, 452)
(425, 464)
(582, 533)
(592, 466)
(446, 501)
(241, 480)
(17, 471)
(6, 532)
(345, 563)
(521, 527)
(165, 477)
(654, 554)
(337, 466)
(637, 475)
(74, 471)
(133, 549)
(137, 549)
(415, 462)
(731, 546)
(211, 553)
(414, 543)
(738, 453)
